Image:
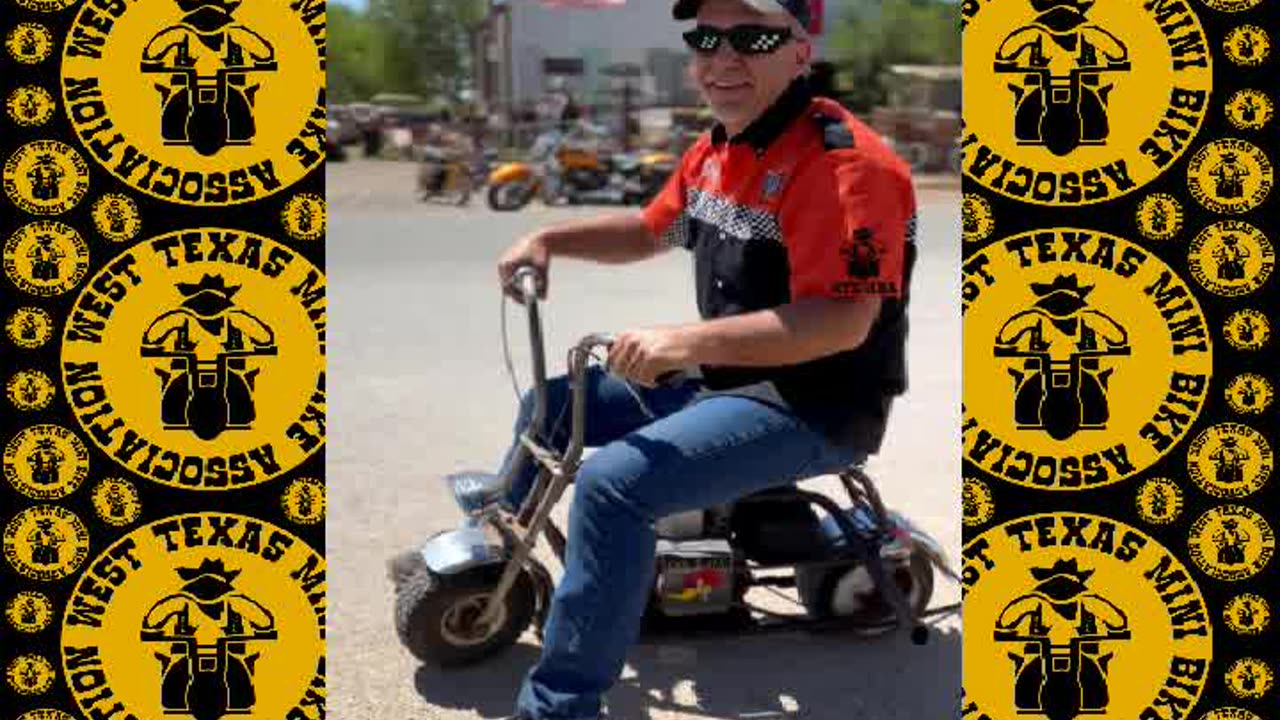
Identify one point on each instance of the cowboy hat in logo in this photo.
(31, 105)
(1249, 678)
(1229, 176)
(1247, 614)
(46, 177)
(1249, 393)
(1064, 313)
(116, 217)
(29, 327)
(304, 501)
(1043, 126)
(1159, 217)
(30, 390)
(116, 502)
(46, 543)
(196, 359)
(30, 674)
(1231, 543)
(1231, 258)
(1247, 45)
(1249, 109)
(207, 616)
(46, 462)
(212, 68)
(1070, 615)
(977, 218)
(304, 217)
(1159, 501)
(29, 611)
(1229, 460)
(46, 258)
(1247, 329)
(29, 43)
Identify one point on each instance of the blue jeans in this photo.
(695, 455)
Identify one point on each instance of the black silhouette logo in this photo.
(208, 111)
(208, 680)
(1062, 680)
(45, 540)
(1061, 386)
(1061, 111)
(1229, 176)
(208, 385)
(862, 255)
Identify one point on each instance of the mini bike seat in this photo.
(475, 490)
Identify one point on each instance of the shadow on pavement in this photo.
(743, 678)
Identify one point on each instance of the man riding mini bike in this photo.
(801, 223)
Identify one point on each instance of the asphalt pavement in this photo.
(420, 390)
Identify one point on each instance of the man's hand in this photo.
(642, 356)
(530, 250)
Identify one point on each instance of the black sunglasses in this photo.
(744, 39)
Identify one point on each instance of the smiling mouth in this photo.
(728, 86)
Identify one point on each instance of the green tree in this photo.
(871, 35)
(356, 56)
(426, 44)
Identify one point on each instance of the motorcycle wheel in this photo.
(508, 197)
(435, 614)
(849, 592)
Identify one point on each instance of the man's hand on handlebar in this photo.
(647, 357)
(530, 251)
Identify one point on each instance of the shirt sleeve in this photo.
(845, 223)
(665, 214)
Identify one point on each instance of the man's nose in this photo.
(726, 55)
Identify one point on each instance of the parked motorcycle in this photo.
(558, 171)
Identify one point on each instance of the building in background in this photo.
(529, 52)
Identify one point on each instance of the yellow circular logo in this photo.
(1249, 394)
(46, 177)
(29, 611)
(48, 6)
(1069, 615)
(1247, 45)
(46, 542)
(30, 390)
(29, 43)
(1229, 176)
(46, 714)
(1159, 217)
(304, 501)
(1231, 542)
(1084, 102)
(1159, 501)
(1057, 323)
(30, 105)
(304, 217)
(1249, 678)
(116, 217)
(46, 258)
(977, 503)
(46, 462)
(977, 218)
(29, 327)
(1249, 110)
(1247, 329)
(1229, 714)
(30, 674)
(196, 359)
(201, 135)
(1232, 5)
(1247, 614)
(1231, 258)
(116, 502)
(202, 615)
(1230, 460)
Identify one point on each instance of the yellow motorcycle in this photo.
(561, 172)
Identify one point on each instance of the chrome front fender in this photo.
(459, 550)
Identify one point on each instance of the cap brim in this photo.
(688, 9)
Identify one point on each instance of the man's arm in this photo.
(617, 238)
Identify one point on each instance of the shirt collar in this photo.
(766, 128)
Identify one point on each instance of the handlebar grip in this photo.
(526, 279)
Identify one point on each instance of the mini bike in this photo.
(469, 593)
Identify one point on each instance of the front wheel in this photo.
(436, 615)
(510, 196)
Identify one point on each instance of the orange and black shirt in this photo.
(806, 202)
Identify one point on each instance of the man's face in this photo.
(739, 88)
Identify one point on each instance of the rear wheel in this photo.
(436, 615)
(849, 592)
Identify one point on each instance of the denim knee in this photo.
(601, 492)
